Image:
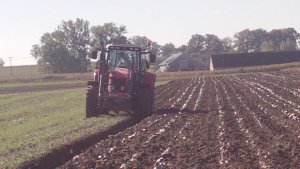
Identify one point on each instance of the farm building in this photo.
(220, 61)
(184, 62)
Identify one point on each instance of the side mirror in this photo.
(94, 54)
(152, 58)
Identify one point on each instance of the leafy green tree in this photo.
(156, 48)
(257, 37)
(204, 44)
(78, 42)
(168, 49)
(64, 50)
(196, 44)
(213, 44)
(249, 41)
(142, 41)
(282, 35)
(288, 45)
(267, 46)
(109, 33)
(183, 48)
(227, 45)
(1, 62)
(261, 40)
(241, 41)
(138, 40)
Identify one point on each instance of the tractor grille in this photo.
(118, 85)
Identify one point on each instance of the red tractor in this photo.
(121, 81)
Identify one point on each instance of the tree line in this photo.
(66, 49)
(1, 62)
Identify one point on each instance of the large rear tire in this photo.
(91, 100)
(144, 102)
(101, 107)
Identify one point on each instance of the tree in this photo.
(1, 62)
(284, 38)
(138, 40)
(65, 49)
(183, 48)
(168, 49)
(241, 42)
(249, 41)
(142, 40)
(227, 45)
(109, 33)
(213, 44)
(156, 48)
(204, 44)
(258, 36)
(288, 45)
(78, 42)
(196, 44)
(261, 40)
(267, 46)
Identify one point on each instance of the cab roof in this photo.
(125, 47)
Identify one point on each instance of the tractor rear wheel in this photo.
(144, 102)
(101, 107)
(91, 100)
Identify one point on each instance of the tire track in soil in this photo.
(284, 95)
(191, 146)
(284, 76)
(280, 85)
(235, 153)
(209, 133)
(246, 124)
(270, 106)
(168, 98)
(282, 145)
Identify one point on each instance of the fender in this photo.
(149, 79)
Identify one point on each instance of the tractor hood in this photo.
(118, 81)
(120, 73)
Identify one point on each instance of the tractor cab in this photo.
(122, 63)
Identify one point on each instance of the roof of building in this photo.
(170, 59)
(254, 59)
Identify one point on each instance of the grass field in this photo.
(16, 84)
(31, 74)
(28, 72)
(34, 123)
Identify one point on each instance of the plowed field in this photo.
(234, 121)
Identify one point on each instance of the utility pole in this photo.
(10, 59)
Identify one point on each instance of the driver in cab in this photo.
(124, 61)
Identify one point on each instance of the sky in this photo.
(24, 22)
